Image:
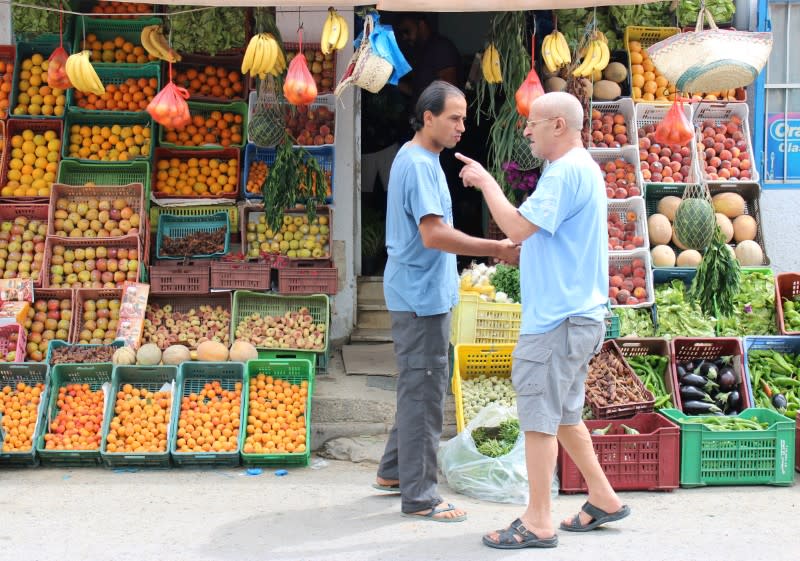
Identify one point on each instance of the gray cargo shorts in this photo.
(549, 371)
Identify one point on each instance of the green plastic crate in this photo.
(180, 226)
(205, 109)
(62, 374)
(293, 371)
(44, 47)
(117, 75)
(151, 378)
(75, 172)
(195, 210)
(107, 29)
(318, 360)
(29, 373)
(192, 376)
(107, 118)
(246, 303)
(737, 457)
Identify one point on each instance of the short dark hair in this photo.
(417, 17)
(433, 99)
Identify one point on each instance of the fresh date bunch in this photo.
(197, 243)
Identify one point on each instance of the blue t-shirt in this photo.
(564, 266)
(417, 279)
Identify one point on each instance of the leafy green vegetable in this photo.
(753, 307)
(637, 322)
(29, 21)
(207, 31)
(496, 441)
(654, 14)
(721, 10)
(506, 279)
(572, 23)
(677, 316)
(716, 283)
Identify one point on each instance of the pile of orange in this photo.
(35, 96)
(19, 406)
(126, 10)
(140, 422)
(209, 420)
(197, 177)
(211, 81)
(218, 128)
(79, 421)
(132, 95)
(115, 143)
(276, 417)
(257, 176)
(117, 49)
(7, 72)
(32, 165)
(647, 83)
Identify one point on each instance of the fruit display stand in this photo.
(12, 340)
(239, 275)
(199, 64)
(751, 193)
(152, 379)
(225, 155)
(175, 226)
(647, 118)
(787, 285)
(684, 349)
(603, 109)
(96, 376)
(647, 37)
(624, 410)
(108, 119)
(185, 305)
(323, 154)
(618, 265)
(484, 323)
(655, 346)
(58, 344)
(294, 371)
(117, 75)
(31, 375)
(17, 126)
(472, 361)
(25, 49)
(77, 173)
(10, 212)
(192, 377)
(39, 344)
(186, 277)
(133, 244)
(721, 115)
(108, 29)
(204, 110)
(647, 461)
(630, 184)
(742, 457)
(621, 212)
(82, 295)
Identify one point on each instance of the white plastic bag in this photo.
(501, 480)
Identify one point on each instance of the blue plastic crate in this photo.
(252, 153)
(176, 226)
(781, 344)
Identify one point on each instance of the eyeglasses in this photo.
(532, 124)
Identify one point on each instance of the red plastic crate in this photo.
(128, 242)
(82, 294)
(308, 280)
(624, 410)
(649, 461)
(787, 285)
(191, 277)
(688, 348)
(57, 294)
(653, 346)
(5, 344)
(168, 153)
(16, 126)
(132, 194)
(240, 275)
(8, 212)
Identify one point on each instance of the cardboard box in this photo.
(131, 313)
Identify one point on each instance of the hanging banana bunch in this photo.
(335, 33)
(490, 65)
(156, 44)
(263, 56)
(82, 75)
(555, 51)
(596, 57)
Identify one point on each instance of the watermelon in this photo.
(695, 223)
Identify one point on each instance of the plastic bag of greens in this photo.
(503, 479)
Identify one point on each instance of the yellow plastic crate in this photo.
(484, 323)
(473, 360)
(646, 36)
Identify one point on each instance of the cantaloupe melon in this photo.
(676, 242)
(725, 225)
(689, 258)
(668, 205)
(148, 354)
(176, 354)
(659, 229)
(124, 356)
(663, 256)
(744, 228)
(242, 351)
(729, 204)
(749, 254)
(695, 223)
(212, 351)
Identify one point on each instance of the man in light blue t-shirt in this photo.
(420, 285)
(564, 288)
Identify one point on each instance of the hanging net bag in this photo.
(266, 126)
(695, 222)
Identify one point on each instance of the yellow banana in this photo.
(69, 68)
(562, 48)
(336, 30)
(589, 60)
(82, 74)
(486, 68)
(494, 61)
(548, 55)
(258, 57)
(249, 55)
(270, 53)
(280, 64)
(147, 42)
(327, 27)
(344, 34)
(605, 55)
(168, 54)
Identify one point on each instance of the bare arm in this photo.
(436, 234)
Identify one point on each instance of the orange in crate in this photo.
(211, 81)
(116, 50)
(209, 419)
(276, 420)
(79, 421)
(19, 404)
(134, 94)
(124, 10)
(140, 422)
(6, 84)
(197, 176)
(219, 128)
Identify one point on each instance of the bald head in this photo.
(558, 104)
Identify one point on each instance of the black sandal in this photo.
(599, 517)
(507, 539)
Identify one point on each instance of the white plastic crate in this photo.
(630, 154)
(622, 207)
(620, 259)
(652, 114)
(625, 107)
(721, 113)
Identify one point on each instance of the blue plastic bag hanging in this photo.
(384, 44)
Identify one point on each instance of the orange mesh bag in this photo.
(56, 71)
(169, 107)
(675, 128)
(530, 89)
(299, 86)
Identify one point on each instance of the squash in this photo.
(242, 351)
(659, 229)
(176, 354)
(744, 228)
(124, 356)
(729, 204)
(668, 206)
(689, 258)
(148, 354)
(606, 90)
(616, 72)
(749, 254)
(663, 256)
(725, 225)
(212, 351)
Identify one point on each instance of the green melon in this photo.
(695, 223)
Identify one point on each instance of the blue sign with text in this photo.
(783, 146)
